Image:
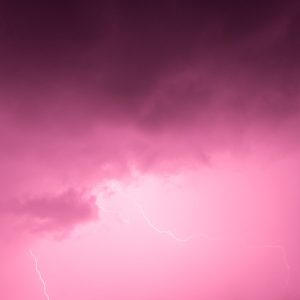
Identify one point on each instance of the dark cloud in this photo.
(91, 86)
(106, 58)
(55, 214)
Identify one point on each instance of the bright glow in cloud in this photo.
(169, 232)
(173, 203)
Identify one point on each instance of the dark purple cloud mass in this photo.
(108, 59)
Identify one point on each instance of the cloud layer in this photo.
(93, 90)
(87, 61)
(49, 214)
(89, 89)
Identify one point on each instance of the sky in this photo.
(149, 150)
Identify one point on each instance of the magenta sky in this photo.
(149, 150)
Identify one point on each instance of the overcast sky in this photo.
(150, 150)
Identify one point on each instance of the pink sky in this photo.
(149, 150)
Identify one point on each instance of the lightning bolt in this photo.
(38, 272)
(173, 236)
(170, 233)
